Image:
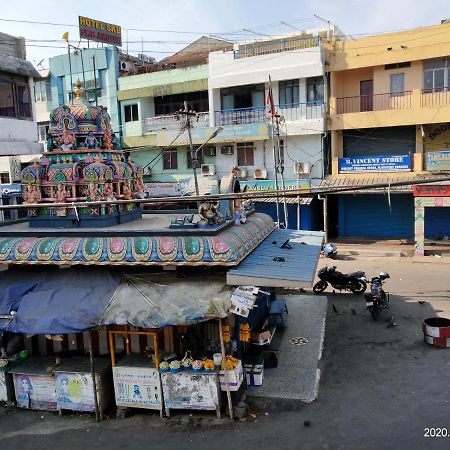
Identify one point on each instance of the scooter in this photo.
(378, 299)
(329, 250)
(354, 282)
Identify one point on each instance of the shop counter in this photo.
(75, 387)
(137, 383)
(191, 390)
(34, 384)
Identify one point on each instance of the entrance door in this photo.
(366, 95)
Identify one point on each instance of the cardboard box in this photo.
(235, 377)
(260, 337)
(254, 374)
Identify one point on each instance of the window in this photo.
(289, 92)
(42, 91)
(131, 113)
(200, 158)
(436, 74)
(314, 90)
(170, 159)
(397, 84)
(15, 100)
(4, 178)
(397, 65)
(245, 154)
(42, 133)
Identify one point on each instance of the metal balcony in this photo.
(171, 122)
(374, 102)
(435, 97)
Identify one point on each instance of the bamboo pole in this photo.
(112, 348)
(224, 368)
(94, 381)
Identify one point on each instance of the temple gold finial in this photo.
(78, 91)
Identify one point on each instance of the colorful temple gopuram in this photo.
(83, 163)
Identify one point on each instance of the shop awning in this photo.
(159, 300)
(274, 265)
(55, 301)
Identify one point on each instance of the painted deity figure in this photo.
(92, 193)
(127, 195)
(108, 192)
(67, 139)
(107, 140)
(32, 194)
(91, 141)
(60, 194)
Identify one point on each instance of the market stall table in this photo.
(34, 384)
(191, 390)
(74, 384)
(137, 383)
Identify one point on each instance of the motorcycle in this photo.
(354, 282)
(378, 299)
(329, 250)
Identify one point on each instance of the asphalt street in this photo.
(380, 388)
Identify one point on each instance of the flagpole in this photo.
(66, 38)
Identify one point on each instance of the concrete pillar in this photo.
(337, 150)
(214, 105)
(418, 156)
(419, 228)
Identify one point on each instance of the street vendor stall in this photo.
(6, 381)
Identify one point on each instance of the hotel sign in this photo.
(269, 185)
(95, 30)
(385, 163)
(437, 161)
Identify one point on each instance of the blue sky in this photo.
(197, 17)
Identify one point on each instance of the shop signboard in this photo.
(137, 387)
(232, 133)
(431, 190)
(269, 185)
(95, 30)
(10, 189)
(75, 391)
(437, 161)
(154, 190)
(384, 163)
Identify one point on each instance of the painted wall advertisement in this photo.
(75, 391)
(35, 392)
(437, 161)
(385, 163)
(269, 185)
(137, 387)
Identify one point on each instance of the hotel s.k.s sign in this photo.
(95, 30)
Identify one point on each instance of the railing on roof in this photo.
(171, 122)
(435, 97)
(291, 112)
(374, 102)
(276, 46)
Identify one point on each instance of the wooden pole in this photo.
(112, 349)
(94, 381)
(224, 368)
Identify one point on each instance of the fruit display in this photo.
(208, 364)
(231, 362)
(164, 365)
(197, 364)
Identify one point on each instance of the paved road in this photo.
(380, 387)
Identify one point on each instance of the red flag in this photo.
(269, 100)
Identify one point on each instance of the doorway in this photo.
(366, 95)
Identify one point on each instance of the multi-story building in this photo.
(228, 88)
(17, 116)
(389, 121)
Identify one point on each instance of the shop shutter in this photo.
(437, 222)
(369, 216)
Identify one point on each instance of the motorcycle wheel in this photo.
(358, 287)
(320, 286)
(374, 312)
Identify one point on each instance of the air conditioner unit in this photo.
(227, 150)
(302, 168)
(208, 169)
(243, 172)
(260, 174)
(209, 151)
(147, 171)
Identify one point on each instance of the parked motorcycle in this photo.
(329, 250)
(378, 299)
(354, 282)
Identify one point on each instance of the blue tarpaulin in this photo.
(55, 301)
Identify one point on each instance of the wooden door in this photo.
(366, 95)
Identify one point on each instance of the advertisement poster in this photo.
(385, 163)
(75, 391)
(35, 392)
(437, 161)
(137, 387)
(269, 185)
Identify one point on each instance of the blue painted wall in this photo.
(369, 216)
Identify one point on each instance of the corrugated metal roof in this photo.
(290, 200)
(297, 270)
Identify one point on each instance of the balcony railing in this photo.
(374, 102)
(171, 122)
(300, 111)
(435, 97)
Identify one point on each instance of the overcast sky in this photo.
(226, 18)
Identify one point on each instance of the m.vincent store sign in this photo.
(384, 163)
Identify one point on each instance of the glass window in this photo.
(42, 91)
(314, 90)
(23, 100)
(397, 84)
(42, 133)
(436, 74)
(6, 99)
(131, 113)
(4, 178)
(170, 159)
(245, 153)
(289, 92)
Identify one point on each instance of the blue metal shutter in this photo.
(369, 216)
(437, 222)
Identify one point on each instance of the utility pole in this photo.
(186, 124)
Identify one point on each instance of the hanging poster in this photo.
(137, 387)
(75, 391)
(35, 391)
